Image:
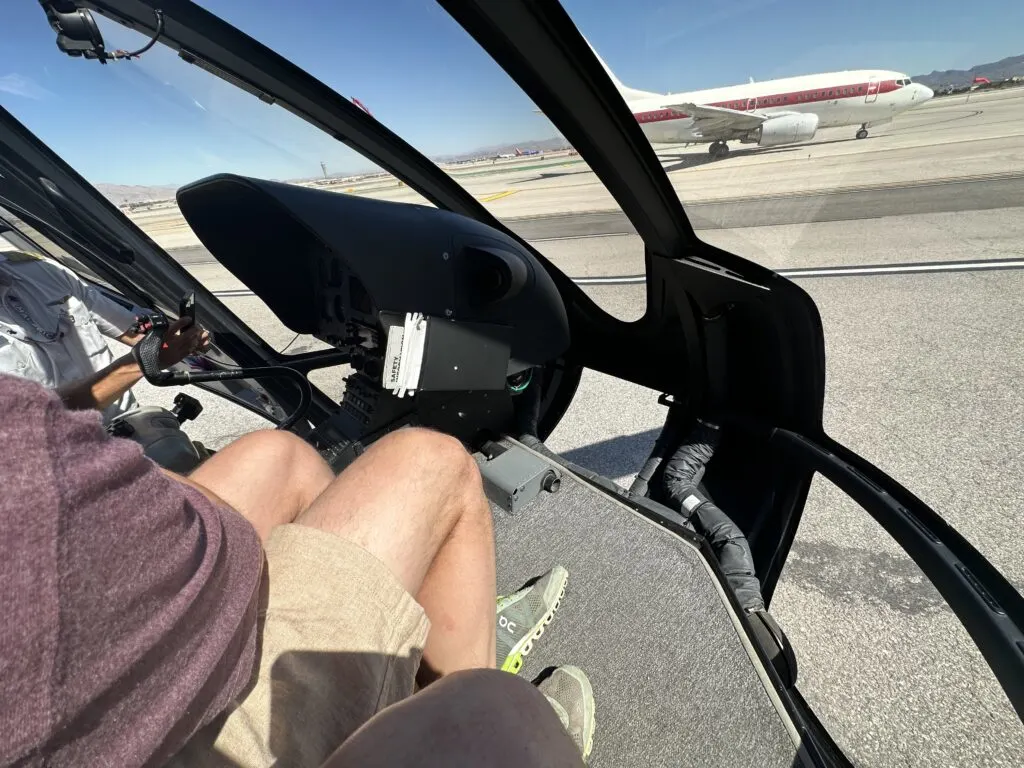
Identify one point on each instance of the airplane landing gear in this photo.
(863, 132)
(718, 150)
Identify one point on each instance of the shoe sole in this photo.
(589, 706)
(514, 661)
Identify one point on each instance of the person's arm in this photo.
(113, 320)
(104, 387)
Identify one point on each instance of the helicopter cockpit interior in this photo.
(436, 313)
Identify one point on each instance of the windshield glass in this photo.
(419, 74)
(18, 235)
(177, 123)
(794, 138)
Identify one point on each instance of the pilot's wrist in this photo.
(129, 362)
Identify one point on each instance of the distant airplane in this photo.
(518, 153)
(773, 112)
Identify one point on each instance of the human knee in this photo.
(434, 452)
(277, 446)
(266, 440)
(285, 458)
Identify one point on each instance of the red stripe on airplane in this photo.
(790, 98)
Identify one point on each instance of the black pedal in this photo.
(186, 407)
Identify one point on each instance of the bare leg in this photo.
(415, 501)
(481, 717)
(268, 476)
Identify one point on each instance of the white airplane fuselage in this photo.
(861, 97)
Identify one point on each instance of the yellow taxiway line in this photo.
(498, 196)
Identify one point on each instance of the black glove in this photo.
(147, 351)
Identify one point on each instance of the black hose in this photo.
(147, 354)
(733, 552)
(668, 437)
(179, 378)
(682, 476)
(686, 468)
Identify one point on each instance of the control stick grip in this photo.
(147, 355)
(147, 351)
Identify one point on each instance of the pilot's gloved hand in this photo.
(183, 338)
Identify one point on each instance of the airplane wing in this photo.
(721, 123)
(712, 121)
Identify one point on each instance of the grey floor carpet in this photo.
(673, 684)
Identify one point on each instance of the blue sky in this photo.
(160, 121)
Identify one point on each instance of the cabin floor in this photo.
(643, 617)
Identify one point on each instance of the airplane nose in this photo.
(924, 92)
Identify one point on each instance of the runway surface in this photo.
(872, 202)
(996, 191)
(911, 244)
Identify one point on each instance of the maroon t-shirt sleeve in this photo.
(128, 600)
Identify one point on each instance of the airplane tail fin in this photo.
(629, 94)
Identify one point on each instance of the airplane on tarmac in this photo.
(773, 112)
(518, 153)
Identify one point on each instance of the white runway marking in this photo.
(234, 293)
(881, 269)
(847, 271)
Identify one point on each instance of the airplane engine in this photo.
(786, 129)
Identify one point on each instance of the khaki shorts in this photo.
(341, 639)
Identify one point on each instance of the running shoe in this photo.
(569, 692)
(523, 615)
